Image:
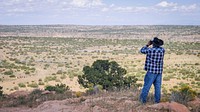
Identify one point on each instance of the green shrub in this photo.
(198, 71)
(60, 65)
(12, 76)
(78, 94)
(10, 72)
(50, 78)
(170, 71)
(197, 78)
(166, 78)
(40, 83)
(27, 72)
(71, 76)
(198, 83)
(33, 85)
(63, 77)
(53, 74)
(59, 72)
(58, 88)
(32, 69)
(22, 85)
(16, 88)
(57, 80)
(183, 94)
(193, 82)
(18, 61)
(46, 66)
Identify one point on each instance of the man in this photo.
(154, 68)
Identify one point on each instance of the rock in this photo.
(173, 106)
(38, 100)
(48, 92)
(16, 94)
(45, 92)
(194, 105)
(14, 109)
(53, 92)
(99, 109)
(68, 105)
(128, 102)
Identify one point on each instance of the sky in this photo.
(100, 12)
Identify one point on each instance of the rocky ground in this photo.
(106, 102)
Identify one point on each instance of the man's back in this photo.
(154, 59)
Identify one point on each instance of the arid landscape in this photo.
(34, 56)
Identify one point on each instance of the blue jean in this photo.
(149, 79)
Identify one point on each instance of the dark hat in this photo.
(157, 42)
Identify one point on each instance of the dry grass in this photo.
(35, 59)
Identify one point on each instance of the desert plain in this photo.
(36, 56)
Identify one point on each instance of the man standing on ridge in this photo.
(154, 68)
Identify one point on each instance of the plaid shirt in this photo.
(154, 59)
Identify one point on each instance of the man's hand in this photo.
(149, 43)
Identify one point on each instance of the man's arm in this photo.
(144, 49)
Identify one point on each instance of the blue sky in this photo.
(100, 12)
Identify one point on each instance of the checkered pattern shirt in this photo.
(154, 59)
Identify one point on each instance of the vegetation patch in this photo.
(107, 74)
(183, 93)
(58, 88)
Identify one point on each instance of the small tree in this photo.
(108, 74)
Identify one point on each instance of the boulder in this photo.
(48, 92)
(45, 92)
(173, 106)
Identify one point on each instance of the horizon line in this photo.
(101, 24)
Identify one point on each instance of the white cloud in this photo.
(174, 7)
(72, 7)
(124, 9)
(20, 7)
(142, 9)
(105, 9)
(188, 8)
(51, 1)
(132, 9)
(166, 4)
(86, 3)
(112, 5)
(17, 10)
(16, 7)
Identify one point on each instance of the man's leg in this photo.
(148, 81)
(157, 85)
